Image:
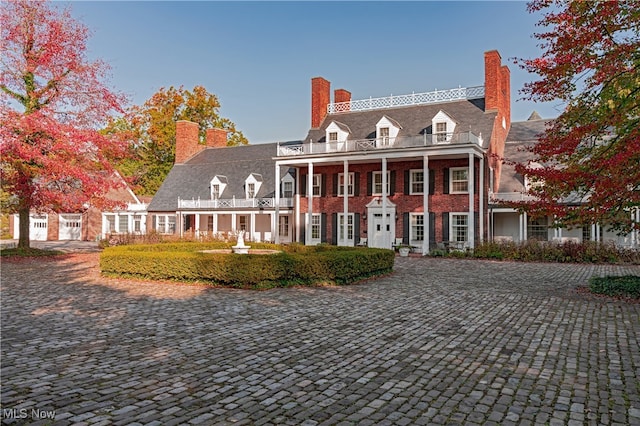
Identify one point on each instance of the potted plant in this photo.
(404, 250)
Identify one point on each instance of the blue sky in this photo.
(259, 57)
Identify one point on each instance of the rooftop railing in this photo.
(461, 93)
(498, 197)
(230, 203)
(437, 139)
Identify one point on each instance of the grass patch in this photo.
(620, 286)
(28, 252)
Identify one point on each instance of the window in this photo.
(586, 233)
(111, 223)
(137, 223)
(218, 185)
(350, 178)
(166, 224)
(243, 223)
(384, 135)
(283, 226)
(251, 190)
(417, 227)
(287, 189)
(317, 185)
(123, 224)
(459, 227)
(377, 183)
(459, 180)
(333, 136)
(315, 227)
(341, 226)
(441, 132)
(538, 229)
(417, 182)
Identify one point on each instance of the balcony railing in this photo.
(379, 143)
(461, 93)
(230, 203)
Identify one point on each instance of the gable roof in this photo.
(412, 120)
(522, 136)
(191, 180)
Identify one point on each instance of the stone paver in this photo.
(440, 341)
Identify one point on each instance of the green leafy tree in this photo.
(152, 126)
(590, 155)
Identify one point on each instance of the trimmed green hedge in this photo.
(295, 265)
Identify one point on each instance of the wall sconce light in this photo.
(396, 216)
(364, 215)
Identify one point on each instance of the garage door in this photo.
(38, 227)
(70, 227)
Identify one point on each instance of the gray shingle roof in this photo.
(522, 135)
(413, 120)
(191, 180)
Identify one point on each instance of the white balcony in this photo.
(231, 203)
(428, 139)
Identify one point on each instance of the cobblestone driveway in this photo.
(437, 342)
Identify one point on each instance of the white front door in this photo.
(70, 227)
(381, 234)
(349, 241)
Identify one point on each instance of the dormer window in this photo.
(443, 127)
(441, 132)
(387, 130)
(252, 185)
(336, 134)
(218, 185)
(286, 183)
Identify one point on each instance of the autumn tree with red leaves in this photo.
(52, 102)
(590, 155)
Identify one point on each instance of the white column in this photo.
(345, 201)
(384, 203)
(275, 231)
(593, 233)
(520, 232)
(307, 226)
(524, 228)
(215, 224)
(196, 225)
(233, 222)
(252, 225)
(425, 205)
(472, 228)
(481, 201)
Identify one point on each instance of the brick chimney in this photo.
(320, 98)
(341, 95)
(497, 99)
(216, 138)
(187, 140)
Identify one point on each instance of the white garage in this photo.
(37, 227)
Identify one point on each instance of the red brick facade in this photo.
(439, 201)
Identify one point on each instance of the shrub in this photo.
(626, 286)
(293, 265)
(542, 251)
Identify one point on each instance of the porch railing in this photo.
(225, 203)
(428, 139)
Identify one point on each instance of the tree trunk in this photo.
(23, 231)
